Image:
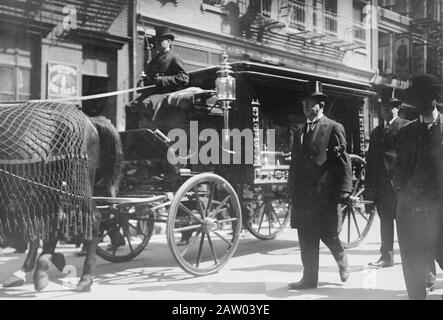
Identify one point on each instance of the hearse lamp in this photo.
(225, 87)
(225, 83)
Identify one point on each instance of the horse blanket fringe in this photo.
(45, 190)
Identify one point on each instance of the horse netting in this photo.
(45, 188)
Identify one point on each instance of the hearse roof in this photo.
(298, 77)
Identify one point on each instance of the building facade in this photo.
(325, 37)
(54, 48)
(409, 41)
(63, 49)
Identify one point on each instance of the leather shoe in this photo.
(344, 273)
(301, 285)
(382, 263)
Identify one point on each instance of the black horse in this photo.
(104, 156)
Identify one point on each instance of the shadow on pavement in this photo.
(340, 293)
(272, 247)
(295, 268)
(369, 252)
(144, 276)
(8, 293)
(279, 291)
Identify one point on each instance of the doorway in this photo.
(95, 85)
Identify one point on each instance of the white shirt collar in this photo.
(390, 122)
(318, 117)
(434, 117)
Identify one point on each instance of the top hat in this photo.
(314, 89)
(163, 33)
(390, 96)
(424, 82)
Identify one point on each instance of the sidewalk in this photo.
(259, 270)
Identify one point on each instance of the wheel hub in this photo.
(210, 224)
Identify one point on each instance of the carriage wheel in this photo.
(264, 215)
(206, 211)
(358, 216)
(130, 231)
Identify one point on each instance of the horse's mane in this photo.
(111, 155)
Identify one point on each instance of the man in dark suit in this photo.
(418, 179)
(166, 69)
(320, 177)
(380, 169)
(165, 72)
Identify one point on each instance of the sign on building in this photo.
(63, 80)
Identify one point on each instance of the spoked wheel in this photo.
(357, 217)
(123, 234)
(206, 212)
(265, 212)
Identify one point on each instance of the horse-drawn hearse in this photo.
(228, 145)
(207, 161)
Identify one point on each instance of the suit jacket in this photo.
(407, 154)
(405, 164)
(381, 157)
(171, 71)
(317, 172)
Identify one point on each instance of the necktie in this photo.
(309, 129)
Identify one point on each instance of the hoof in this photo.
(17, 279)
(58, 259)
(84, 285)
(41, 278)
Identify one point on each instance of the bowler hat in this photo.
(314, 89)
(163, 33)
(390, 96)
(424, 82)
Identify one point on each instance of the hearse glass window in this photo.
(281, 109)
(285, 126)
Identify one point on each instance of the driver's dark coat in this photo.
(317, 174)
(171, 71)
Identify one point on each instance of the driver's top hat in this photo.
(314, 89)
(163, 33)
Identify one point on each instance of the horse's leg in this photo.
(18, 278)
(58, 259)
(85, 282)
(41, 278)
(31, 257)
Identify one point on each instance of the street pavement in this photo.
(259, 270)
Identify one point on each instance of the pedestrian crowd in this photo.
(404, 178)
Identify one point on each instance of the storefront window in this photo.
(15, 83)
(24, 83)
(385, 54)
(15, 67)
(7, 88)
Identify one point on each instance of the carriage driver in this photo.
(166, 71)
